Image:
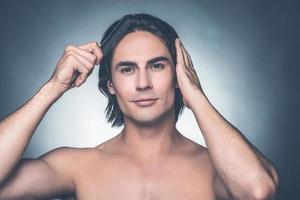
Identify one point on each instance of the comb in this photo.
(107, 43)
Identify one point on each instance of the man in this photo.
(145, 81)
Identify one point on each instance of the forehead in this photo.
(138, 46)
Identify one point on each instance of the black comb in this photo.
(115, 35)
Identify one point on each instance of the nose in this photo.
(143, 80)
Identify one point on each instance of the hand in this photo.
(187, 78)
(76, 64)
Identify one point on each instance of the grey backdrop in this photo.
(246, 54)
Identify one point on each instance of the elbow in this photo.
(268, 187)
(266, 191)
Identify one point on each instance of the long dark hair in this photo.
(111, 37)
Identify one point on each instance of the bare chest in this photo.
(116, 181)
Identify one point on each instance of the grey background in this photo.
(246, 54)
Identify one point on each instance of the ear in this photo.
(110, 87)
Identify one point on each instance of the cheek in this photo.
(119, 81)
(166, 86)
(122, 90)
(123, 87)
(170, 76)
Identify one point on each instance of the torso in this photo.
(110, 175)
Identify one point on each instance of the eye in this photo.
(126, 70)
(157, 66)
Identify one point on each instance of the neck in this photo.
(150, 142)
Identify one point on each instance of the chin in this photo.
(150, 119)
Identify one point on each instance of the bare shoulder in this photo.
(68, 153)
(109, 145)
(193, 148)
(71, 158)
(53, 174)
(199, 155)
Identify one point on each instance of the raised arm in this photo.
(16, 130)
(242, 172)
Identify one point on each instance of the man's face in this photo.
(142, 68)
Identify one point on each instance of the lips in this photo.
(145, 101)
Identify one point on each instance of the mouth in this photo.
(145, 102)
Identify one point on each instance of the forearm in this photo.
(17, 129)
(243, 169)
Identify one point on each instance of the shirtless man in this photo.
(149, 159)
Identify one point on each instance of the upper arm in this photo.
(218, 186)
(220, 189)
(50, 175)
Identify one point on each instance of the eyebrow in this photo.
(149, 62)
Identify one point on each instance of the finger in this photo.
(81, 72)
(73, 82)
(190, 71)
(94, 48)
(180, 57)
(190, 66)
(186, 64)
(88, 64)
(187, 55)
(84, 73)
(84, 53)
(184, 56)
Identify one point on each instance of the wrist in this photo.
(56, 86)
(46, 96)
(199, 101)
(52, 89)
